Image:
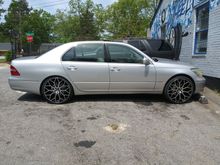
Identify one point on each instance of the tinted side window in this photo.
(165, 46)
(69, 55)
(134, 43)
(123, 54)
(89, 53)
(137, 44)
(142, 47)
(159, 45)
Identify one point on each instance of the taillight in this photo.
(14, 71)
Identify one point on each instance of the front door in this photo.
(127, 71)
(85, 65)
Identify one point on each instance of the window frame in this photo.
(109, 56)
(203, 30)
(74, 53)
(73, 49)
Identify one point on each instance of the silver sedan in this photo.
(98, 67)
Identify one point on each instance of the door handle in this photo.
(115, 69)
(72, 68)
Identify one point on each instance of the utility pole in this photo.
(14, 34)
(11, 41)
(19, 29)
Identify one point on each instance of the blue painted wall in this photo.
(214, 4)
(177, 12)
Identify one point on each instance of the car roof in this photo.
(60, 49)
(81, 42)
(90, 42)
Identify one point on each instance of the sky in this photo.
(52, 5)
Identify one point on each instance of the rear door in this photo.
(85, 65)
(127, 71)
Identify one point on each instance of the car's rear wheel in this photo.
(179, 89)
(57, 90)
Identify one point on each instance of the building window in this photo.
(201, 32)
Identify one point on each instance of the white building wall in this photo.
(210, 62)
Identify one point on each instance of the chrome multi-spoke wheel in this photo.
(57, 90)
(179, 89)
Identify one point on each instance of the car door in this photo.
(85, 65)
(127, 71)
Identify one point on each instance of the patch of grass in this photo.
(8, 56)
(217, 91)
(2, 60)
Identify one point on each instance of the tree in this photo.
(100, 18)
(87, 24)
(17, 12)
(152, 7)
(128, 18)
(66, 27)
(41, 23)
(84, 21)
(21, 19)
(2, 37)
(4, 34)
(1, 9)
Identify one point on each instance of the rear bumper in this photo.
(200, 85)
(23, 85)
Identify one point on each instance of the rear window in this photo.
(159, 45)
(85, 52)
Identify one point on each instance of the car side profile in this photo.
(99, 67)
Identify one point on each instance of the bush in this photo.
(8, 56)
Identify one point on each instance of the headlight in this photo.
(197, 71)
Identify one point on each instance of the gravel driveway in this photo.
(106, 130)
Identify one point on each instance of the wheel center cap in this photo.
(57, 91)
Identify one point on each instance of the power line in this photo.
(56, 4)
(47, 3)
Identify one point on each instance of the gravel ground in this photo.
(116, 129)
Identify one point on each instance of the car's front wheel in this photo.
(57, 90)
(179, 89)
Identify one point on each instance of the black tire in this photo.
(175, 39)
(57, 90)
(178, 42)
(179, 90)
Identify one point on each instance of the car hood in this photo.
(172, 63)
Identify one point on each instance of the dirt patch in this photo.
(116, 128)
(185, 117)
(93, 117)
(86, 144)
(142, 104)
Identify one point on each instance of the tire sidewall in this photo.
(69, 84)
(172, 80)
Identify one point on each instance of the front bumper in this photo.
(200, 85)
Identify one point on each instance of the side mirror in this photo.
(146, 61)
